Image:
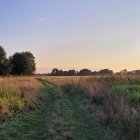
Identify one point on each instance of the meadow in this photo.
(75, 108)
(17, 94)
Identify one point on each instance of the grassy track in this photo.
(59, 117)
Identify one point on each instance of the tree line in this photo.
(87, 72)
(23, 63)
(82, 72)
(126, 72)
(18, 64)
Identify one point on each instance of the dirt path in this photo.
(59, 117)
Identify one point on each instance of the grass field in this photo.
(71, 108)
(17, 95)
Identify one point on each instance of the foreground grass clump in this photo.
(16, 95)
(132, 92)
(113, 102)
(10, 102)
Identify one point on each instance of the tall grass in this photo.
(17, 94)
(114, 103)
(132, 92)
(60, 80)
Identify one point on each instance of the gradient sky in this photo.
(67, 34)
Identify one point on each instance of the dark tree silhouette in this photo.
(72, 73)
(85, 72)
(23, 63)
(5, 67)
(137, 72)
(55, 72)
(106, 72)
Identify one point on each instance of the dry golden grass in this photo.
(17, 94)
(19, 82)
(109, 108)
(60, 80)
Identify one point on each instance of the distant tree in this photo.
(55, 72)
(60, 73)
(94, 73)
(85, 72)
(130, 73)
(65, 73)
(105, 72)
(5, 67)
(71, 72)
(137, 72)
(23, 63)
(134, 72)
(123, 72)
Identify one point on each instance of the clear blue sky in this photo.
(77, 34)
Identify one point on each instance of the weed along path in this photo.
(59, 117)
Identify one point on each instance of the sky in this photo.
(73, 34)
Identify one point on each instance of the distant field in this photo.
(60, 80)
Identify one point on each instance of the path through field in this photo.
(59, 117)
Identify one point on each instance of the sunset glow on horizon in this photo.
(73, 34)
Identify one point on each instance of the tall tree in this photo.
(30, 63)
(23, 63)
(4, 62)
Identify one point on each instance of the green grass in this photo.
(107, 111)
(86, 128)
(53, 119)
(132, 92)
(29, 126)
(60, 116)
(11, 102)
